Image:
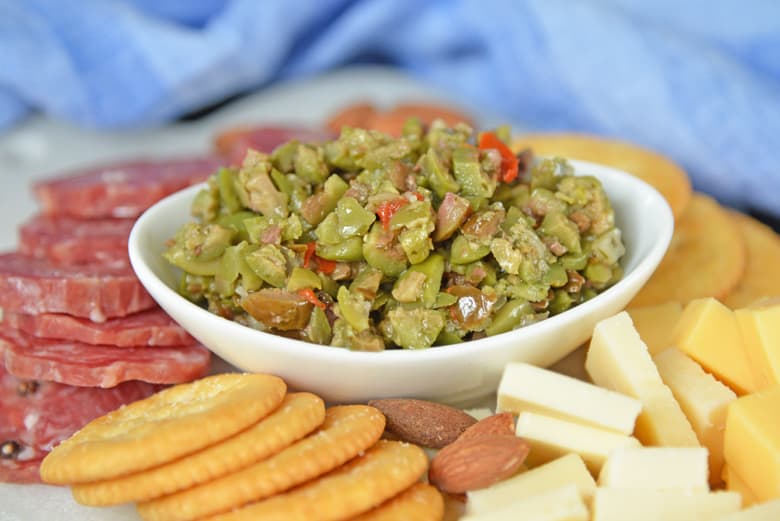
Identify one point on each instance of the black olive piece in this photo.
(9, 449)
(27, 388)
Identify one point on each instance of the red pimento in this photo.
(509, 162)
(310, 258)
(311, 297)
(386, 210)
(309, 253)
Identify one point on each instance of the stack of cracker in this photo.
(239, 446)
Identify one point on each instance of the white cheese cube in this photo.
(612, 504)
(566, 470)
(550, 438)
(769, 511)
(525, 387)
(561, 504)
(683, 468)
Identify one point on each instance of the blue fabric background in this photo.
(698, 80)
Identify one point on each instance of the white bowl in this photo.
(450, 374)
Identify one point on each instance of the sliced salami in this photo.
(147, 328)
(76, 363)
(96, 292)
(76, 241)
(122, 190)
(35, 416)
(232, 144)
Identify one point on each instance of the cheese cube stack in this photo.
(769, 511)
(752, 442)
(550, 438)
(703, 399)
(566, 470)
(656, 468)
(612, 504)
(618, 359)
(759, 325)
(526, 387)
(561, 504)
(708, 333)
(656, 323)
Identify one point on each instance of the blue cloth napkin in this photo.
(698, 80)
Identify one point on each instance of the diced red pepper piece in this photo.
(325, 266)
(311, 297)
(509, 162)
(386, 210)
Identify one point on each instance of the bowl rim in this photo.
(159, 290)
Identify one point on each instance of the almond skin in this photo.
(421, 422)
(498, 424)
(477, 462)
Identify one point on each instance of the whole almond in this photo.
(422, 422)
(477, 462)
(498, 424)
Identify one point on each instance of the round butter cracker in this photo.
(760, 278)
(420, 502)
(347, 431)
(706, 257)
(382, 472)
(168, 425)
(298, 415)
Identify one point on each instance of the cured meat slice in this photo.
(76, 363)
(35, 416)
(122, 190)
(147, 328)
(232, 144)
(76, 241)
(97, 292)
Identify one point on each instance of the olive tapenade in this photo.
(369, 242)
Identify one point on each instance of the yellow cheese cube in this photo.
(752, 442)
(550, 438)
(737, 484)
(708, 333)
(769, 511)
(656, 323)
(610, 504)
(618, 359)
(760, 328)
(561, 504)
(703, 399)
(656, 468)
(566, 470)
(525, 387)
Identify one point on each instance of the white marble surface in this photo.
(40, 148)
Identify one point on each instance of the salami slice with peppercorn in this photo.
(35, 416)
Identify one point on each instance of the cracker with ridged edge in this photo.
(660, 172)
(347, 431)
(420, 502)
(760, 278)
(365, 482)
(168, 425)
(297, 416)
(706, 257)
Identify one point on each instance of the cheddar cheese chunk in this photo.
(656, 323)
(703, 399)
(551, 438)
(566, 470)
(611, 504)
(561, 504)
(525, 387)
(759, 325)
(708, 333)
(656, 468)
(752, 442)
(618, 359)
